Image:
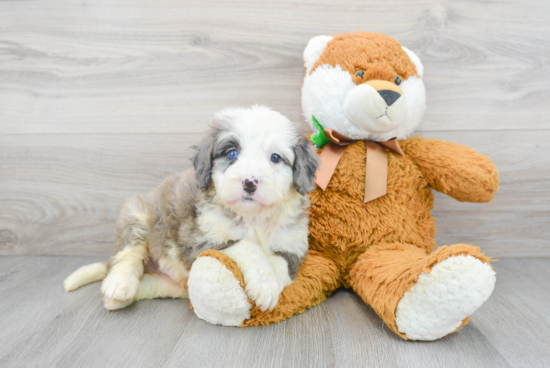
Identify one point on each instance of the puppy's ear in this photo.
(305, 165)
(202, 162)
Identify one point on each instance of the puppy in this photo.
(247, 194)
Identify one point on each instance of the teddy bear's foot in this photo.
(216, 290)
(421, 295)
(440, 301)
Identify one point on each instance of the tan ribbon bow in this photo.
(376, 175)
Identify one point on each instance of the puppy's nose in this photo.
(389, 96)
(250, 186)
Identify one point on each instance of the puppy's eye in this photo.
(275, 158)
(360, 73)
(232, 155)
(398, 80)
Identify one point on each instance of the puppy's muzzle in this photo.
(250, 186)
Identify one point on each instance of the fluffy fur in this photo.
(384, 249)
(244, 203)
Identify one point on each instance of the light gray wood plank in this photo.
(41, 325)
(298, 342)
(517, 317)
(48, 327)
(362, 340)
(144, 66)
(32, 299)
(61, 194)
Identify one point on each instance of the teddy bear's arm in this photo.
(453, 169)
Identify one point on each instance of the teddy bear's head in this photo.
(363, 85)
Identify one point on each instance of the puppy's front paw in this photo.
(114, 304)
(120, 286)
(280, 267)
(264, 289)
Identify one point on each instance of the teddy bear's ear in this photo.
(314, 49)
(416, 61)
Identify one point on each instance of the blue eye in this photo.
(275, 158)
(232, 155)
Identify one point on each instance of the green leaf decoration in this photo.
(319, 139)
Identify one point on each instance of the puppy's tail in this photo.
(85, 275)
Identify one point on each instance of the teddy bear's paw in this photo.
(440, 300)
(216, 295)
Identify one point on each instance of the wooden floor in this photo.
(42, 326)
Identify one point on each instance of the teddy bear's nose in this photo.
(389, 96)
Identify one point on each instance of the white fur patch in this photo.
(216, 295)
(441, 299)
(314, 49)
(413, 88)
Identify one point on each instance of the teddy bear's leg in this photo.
(217, 290)
(423, 296)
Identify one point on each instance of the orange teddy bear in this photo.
(370, 227)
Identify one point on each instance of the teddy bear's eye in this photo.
(398, 80)
(360, 73)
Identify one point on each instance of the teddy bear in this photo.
(370, 223)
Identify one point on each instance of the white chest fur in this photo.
(275, 229)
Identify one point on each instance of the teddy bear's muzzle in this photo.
(376, 106)
(389, 91)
